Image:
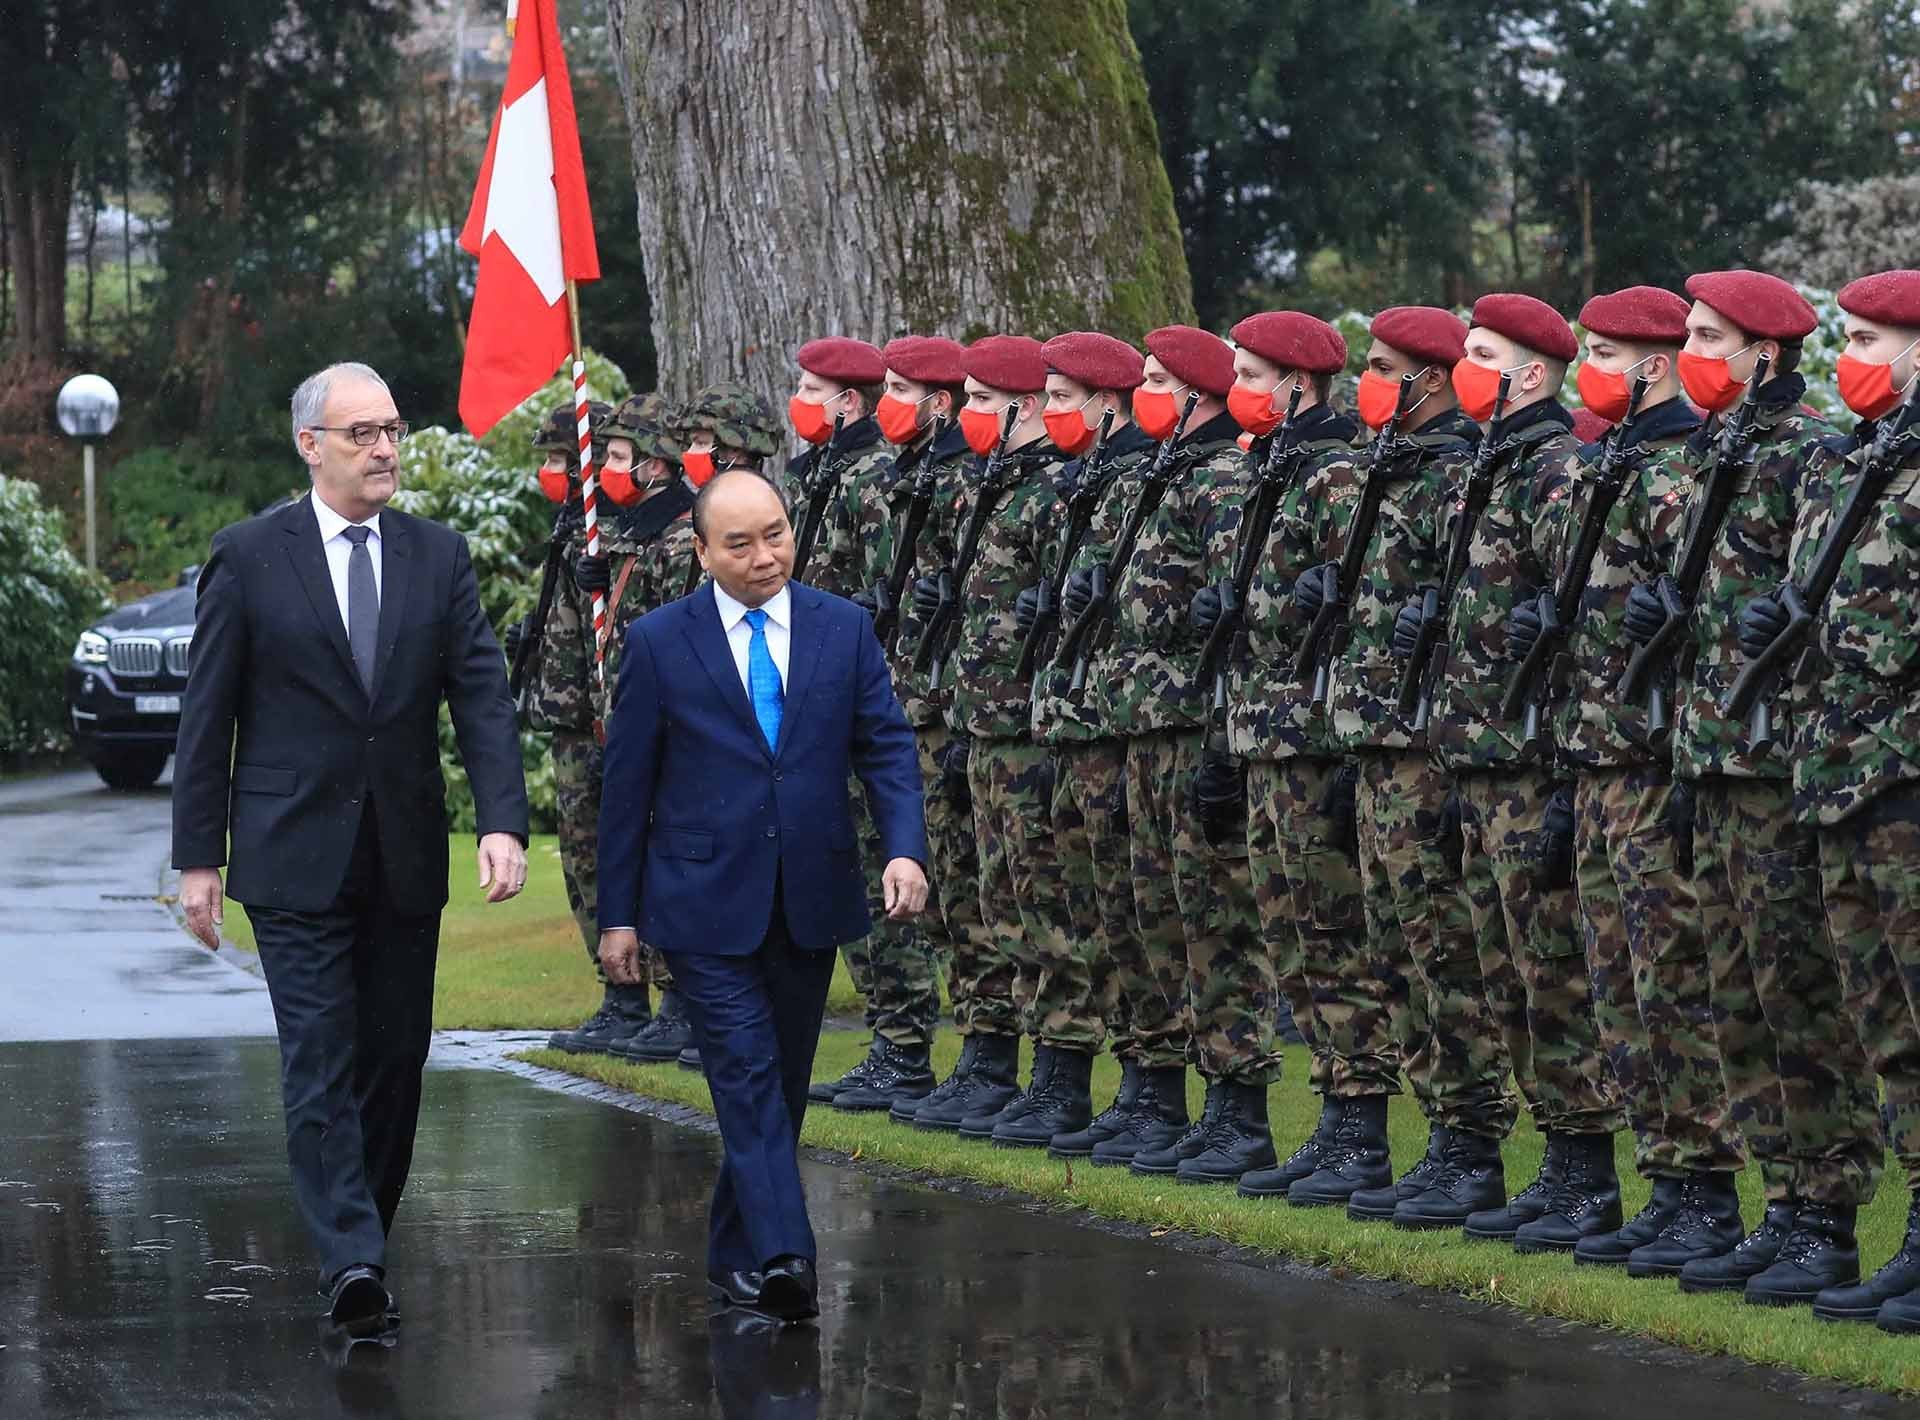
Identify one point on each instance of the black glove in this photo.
(1523, 629)
(926, 597)
(1680, 809)
(1341, 804)
(1316, 587)
(1760, 624)
(1449, 837)
(1205, 610)
(591, 574)
(953, 773)
(1077, 595)
(867, 599)
(1646, 614)
(1122, 824)
(1558, 836)
(514, 635)
(1026, 610)
(1406, 627)
(1220, 799)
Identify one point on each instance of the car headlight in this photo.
(90, 649)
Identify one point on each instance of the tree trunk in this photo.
(37, 198)
(875, 167)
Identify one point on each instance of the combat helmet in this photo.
(736, 417)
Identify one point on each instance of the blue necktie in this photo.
(763, 681)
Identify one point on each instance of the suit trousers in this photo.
(756, 1019)
(352, 991)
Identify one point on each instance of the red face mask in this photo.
(1253, 411)
(982, 428)
(554, 485)
(1708, 381)
(1867, 389)
(1068, 430)
(1477, 389)
(1377, 398)
(810, 421)
(1605, 392)
(699, 466)
(1155, 411)
(898, 419)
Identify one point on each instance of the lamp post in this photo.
(88, 407)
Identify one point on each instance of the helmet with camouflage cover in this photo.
(736, 417)
(561, 431)
(649, 421)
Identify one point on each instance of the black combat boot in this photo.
(1376, 1205)
(1500, 1224)
(1274, 1182)
(981, 1123)
(1585, 1203)
(1612, 1249)
(905, 1111)
(1862, 1301)
(1239, 1142)
(1470, 1179)
(1819, 1255)
(1355, 1158)
(824, 1091)
(1707, 1224)
(893, 1072)
(1061, 1103)
(624, 1012)
(1166, 1158)
(1730, 1270)
(990, 1085)
(663, 1038)
(1158, 1118)
(1078, 1143)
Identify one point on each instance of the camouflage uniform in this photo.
(1193, 901)
(1796, 1076)
(1532, 957)
(1856, 769)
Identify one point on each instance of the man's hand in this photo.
(1523, 630)
(515, 634)
(926, 598)
(905, 887)
(1646, 613)
(201, 895)
(1407, 625)
(1316, 587)
(1205, 610)
(620, 956)
(1760, 625)
(1077, 595)
(591, 574)
(503, 866)
(1026, 610)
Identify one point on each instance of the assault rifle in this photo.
(1082, 503)
(889, 595)
(943, 627)
(550, 574)
(821, 481)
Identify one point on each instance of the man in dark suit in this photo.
(326, 635)
(726, 839)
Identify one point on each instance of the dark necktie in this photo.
(363, 605)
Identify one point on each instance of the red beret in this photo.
(1764, 306)
(1010, 363)
(1530, 322)
(925, 359)
(1422, 332)
(1887, 298)
(1293, 340)
(1194, 357)
(1588, 427)
(1097, 361)
(842, 360)
(1649, 315)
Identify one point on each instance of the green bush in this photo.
(165, 507)
(46, 598)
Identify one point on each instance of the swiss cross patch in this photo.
(1557, 495)
(959, 501)
(1672, 498)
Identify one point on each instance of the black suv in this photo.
(124, 684)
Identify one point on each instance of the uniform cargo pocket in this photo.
(1333, 889)
(1792, 875)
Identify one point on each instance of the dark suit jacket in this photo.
(698, 818)
(279, 744)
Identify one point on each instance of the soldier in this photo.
(725, 425)
(1857, 747)
(1515, 864)
(1795, 1074)
(1009, 778)
(839, 486)
(1204, 981)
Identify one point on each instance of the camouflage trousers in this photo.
(1025, 895)
(979, 978)
(1090, 832)
(1269, 812)
(1532, 958)
(576, 793)
(892, 966)
(1870, 886)
(1796, 1076)
(1203, 974)
(1647, 959)
(1420, 940)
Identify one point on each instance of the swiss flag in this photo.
(530, 227)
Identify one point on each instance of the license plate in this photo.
(156, 705)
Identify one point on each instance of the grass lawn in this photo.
(519, 963)
(1859, 1355)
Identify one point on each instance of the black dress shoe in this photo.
(359, 1301)
(739, 1288)
(789, 1289)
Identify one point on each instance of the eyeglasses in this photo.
(365, 434)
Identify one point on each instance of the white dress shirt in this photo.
(334, 543)
(733, 620)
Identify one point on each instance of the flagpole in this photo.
(589, 488)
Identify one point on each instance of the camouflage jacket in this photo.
(1269, 709)
(650, 554)
(1749, 560)
(1594, 727)
(1406, 551)
(1149, 673)
(560, 690)
(1060, 717)
(938, 535)
(989, 700)
(1510, 553)
(852, 549)
(1859, 731)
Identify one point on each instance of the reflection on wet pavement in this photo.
(548, 1263)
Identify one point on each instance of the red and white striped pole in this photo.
(589, 487)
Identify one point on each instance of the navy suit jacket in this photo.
(699, 818)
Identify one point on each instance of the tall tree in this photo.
(875, 166)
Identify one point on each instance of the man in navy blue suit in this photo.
(727, 841)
